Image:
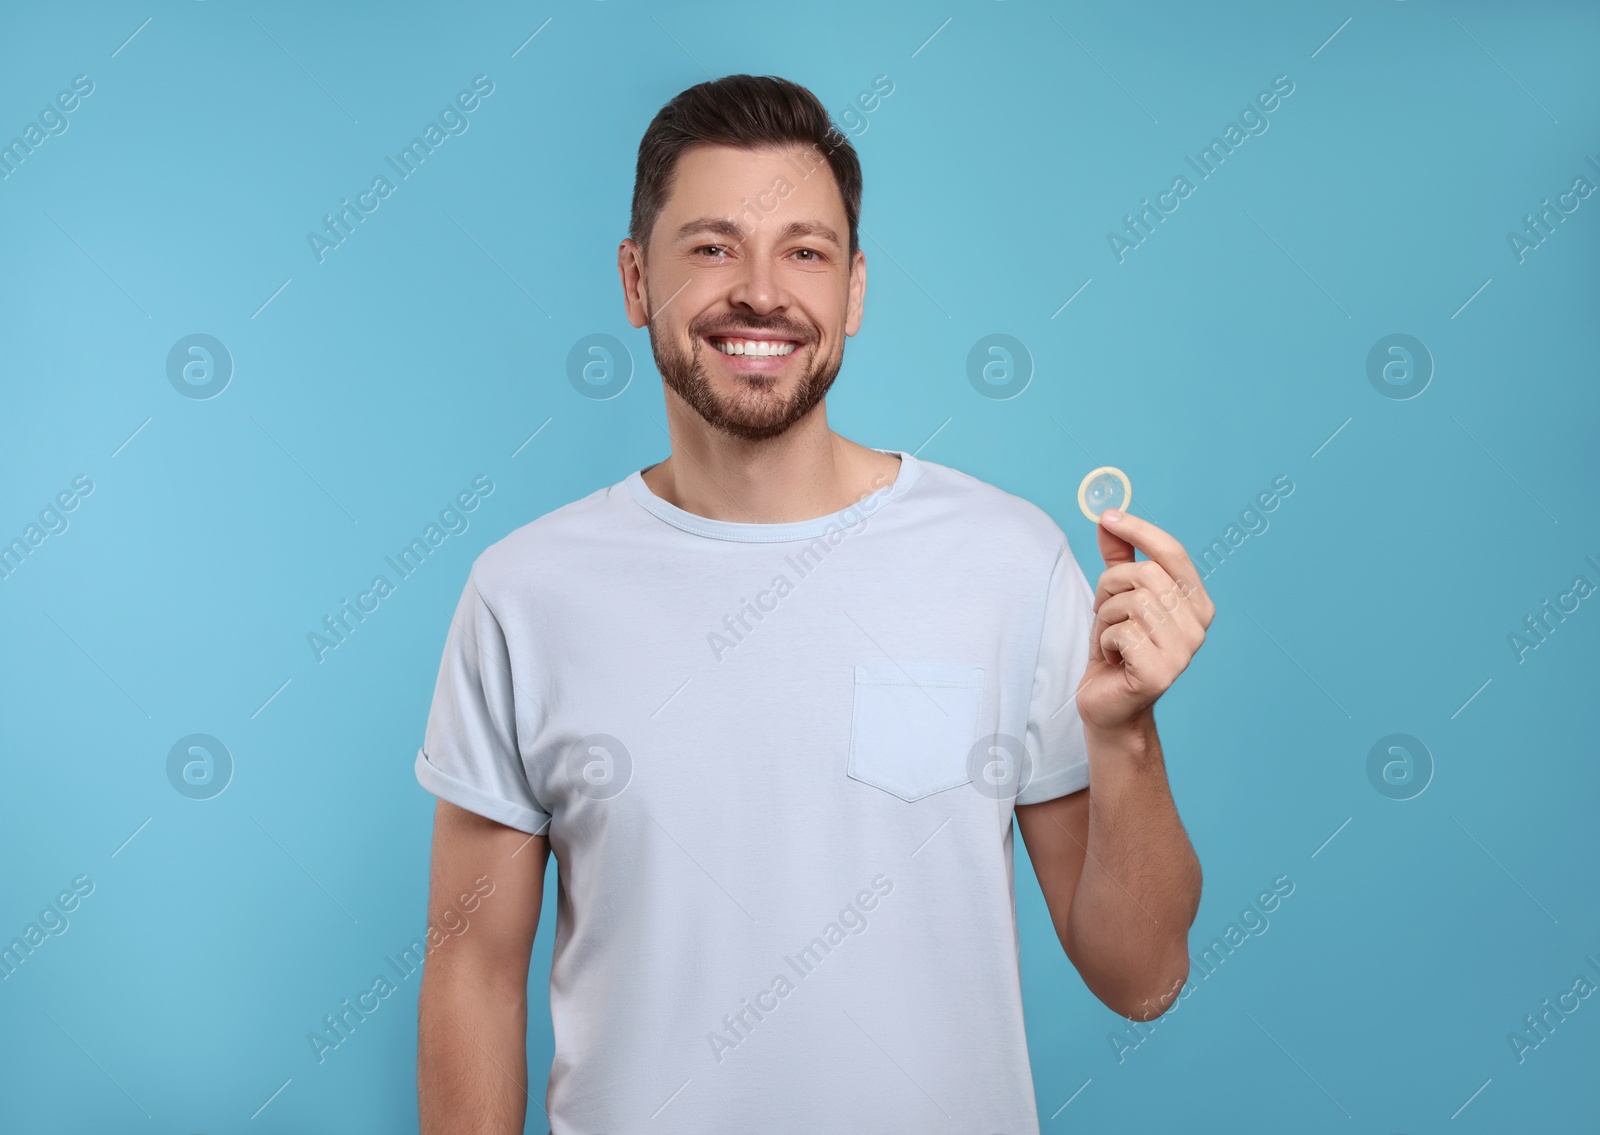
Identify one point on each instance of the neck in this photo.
(805, 472)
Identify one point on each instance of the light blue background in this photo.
(1224, 352)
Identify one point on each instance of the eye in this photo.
(810, 252)
(704, 247)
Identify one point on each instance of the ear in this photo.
(856, 306)
(630, 267)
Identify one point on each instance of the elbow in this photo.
(1152, 996)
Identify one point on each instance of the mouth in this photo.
(753, 348)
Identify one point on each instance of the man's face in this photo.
(747, 286)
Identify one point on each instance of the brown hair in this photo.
(749, 112)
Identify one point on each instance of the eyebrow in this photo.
(725, 227)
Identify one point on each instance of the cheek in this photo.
(838, 310)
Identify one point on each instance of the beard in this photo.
(757, 411)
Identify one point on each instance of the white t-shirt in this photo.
(766, 759)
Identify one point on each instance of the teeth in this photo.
(755, 347)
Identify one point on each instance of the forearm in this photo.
(1140, 884)
(472, 1059)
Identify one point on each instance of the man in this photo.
(773, 703)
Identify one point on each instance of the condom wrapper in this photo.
(1103, 488)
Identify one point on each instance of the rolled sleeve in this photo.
(1055, 741)
(469, 754)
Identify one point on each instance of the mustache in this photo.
(778, 328)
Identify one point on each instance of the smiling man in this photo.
(774, 703)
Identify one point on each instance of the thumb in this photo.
(1114, 549)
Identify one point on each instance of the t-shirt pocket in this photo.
(914, 726)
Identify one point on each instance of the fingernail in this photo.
(1110, 516)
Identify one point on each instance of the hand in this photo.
(1150, 618)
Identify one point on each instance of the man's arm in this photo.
(1118, 872)
(1119, 875)
(472, 1059)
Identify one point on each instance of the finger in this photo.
(1128, 605)
(1154, 542)
(1095, 653)
(1122, 577)
(1167, 629)
(1123, 642)
(1148, 664)
(1113, 548)
(1125, 577)
(1106, 643)
(1144, 592)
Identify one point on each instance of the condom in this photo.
(1105, 487)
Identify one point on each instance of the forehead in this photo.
(720, 180)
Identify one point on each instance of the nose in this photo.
(757, 286)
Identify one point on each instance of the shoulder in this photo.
(989, 513)
(542, 547)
